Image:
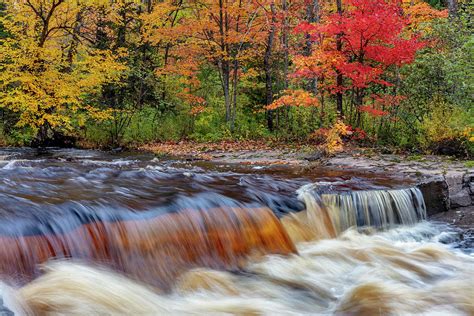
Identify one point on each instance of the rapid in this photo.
(90, 233)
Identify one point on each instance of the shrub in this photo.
(330, 140)
(448, 131)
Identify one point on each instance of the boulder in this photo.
(436, 195)
(450, 237)
(460, 199)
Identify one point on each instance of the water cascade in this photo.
(329, 214)
(220, 237)
(155, 249)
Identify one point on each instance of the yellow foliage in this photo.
(45, 73)
(446, 124)
(420, 14)
(334, 141)
(331, 139)
(296, 98)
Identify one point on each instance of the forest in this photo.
(103, 73)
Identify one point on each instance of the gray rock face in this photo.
(468, 177)
(455, 181)
(436, 195)
(462, 198)
(453, 191)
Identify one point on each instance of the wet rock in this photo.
(462, 217)
(460, 199)
(4, 311)
(436, 195)
(314, 156)
(467, 241)
(450, 237)
(469, 177)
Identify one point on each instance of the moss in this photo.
(416, 158)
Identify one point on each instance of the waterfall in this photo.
(155, 249)
(329, 214)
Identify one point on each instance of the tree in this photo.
(362, 44)
(225, 31)
(119, 29)
(45, 69)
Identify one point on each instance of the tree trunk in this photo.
(268, 68)
(225, 81)
(234, 91)
(312, 16)
(74, 41)
(168, 46)
(286, 51)
(359, 101)
(338, 73)
(453, 9)
(224, 66)
(284, 39)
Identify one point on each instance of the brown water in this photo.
(84, 232)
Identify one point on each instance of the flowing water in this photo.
(84, 232)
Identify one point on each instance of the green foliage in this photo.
(469, 164)
(446, 72)
(438, 114)
(445, 130)
(15, 137)
(210, 126)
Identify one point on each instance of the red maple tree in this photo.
(373, 37)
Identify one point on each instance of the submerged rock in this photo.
(450, 237)
(4, 311)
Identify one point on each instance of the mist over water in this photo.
(83, 232)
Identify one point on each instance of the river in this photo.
(88, 232)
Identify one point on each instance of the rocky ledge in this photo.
(447, 185)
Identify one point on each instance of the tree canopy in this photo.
(129, 72)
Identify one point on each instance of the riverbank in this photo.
(243, 152)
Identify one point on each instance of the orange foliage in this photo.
(294, 98)
(420, 12)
